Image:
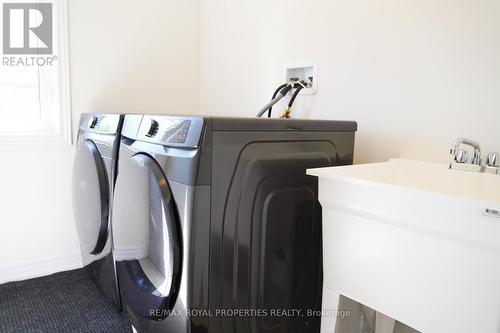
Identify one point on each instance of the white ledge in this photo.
(426, 176)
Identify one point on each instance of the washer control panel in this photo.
(171, 130)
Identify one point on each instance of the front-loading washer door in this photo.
(90, 198)
(146, 235)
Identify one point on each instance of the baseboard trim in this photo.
(40, 268)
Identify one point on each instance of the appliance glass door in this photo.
(90, 198)
(147, 243)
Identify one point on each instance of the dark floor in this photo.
(63, 302)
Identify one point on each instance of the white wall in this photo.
(414, 74)
(134, 56)
(38, 234)
(126, 56)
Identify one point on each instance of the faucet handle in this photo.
(476, 160)
(492, 160)
(462, 156)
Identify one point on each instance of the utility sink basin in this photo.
(414, 240)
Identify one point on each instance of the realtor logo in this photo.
(27, 28)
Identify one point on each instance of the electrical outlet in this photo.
(303, 72)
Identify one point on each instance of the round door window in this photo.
(147, 245)
(90, 198)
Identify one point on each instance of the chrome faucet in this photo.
(461, 158)
(460, 155)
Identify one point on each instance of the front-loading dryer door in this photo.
(90, 198)
(146, 235)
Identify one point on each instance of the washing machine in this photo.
(94, 174)
(217, 227)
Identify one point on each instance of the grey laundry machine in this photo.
(217, 227)
(94, 174)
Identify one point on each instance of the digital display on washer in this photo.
(175, 130)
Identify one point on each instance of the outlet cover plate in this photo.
(303, 71)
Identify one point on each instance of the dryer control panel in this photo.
(100, 123)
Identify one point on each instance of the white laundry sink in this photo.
(415, 241)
